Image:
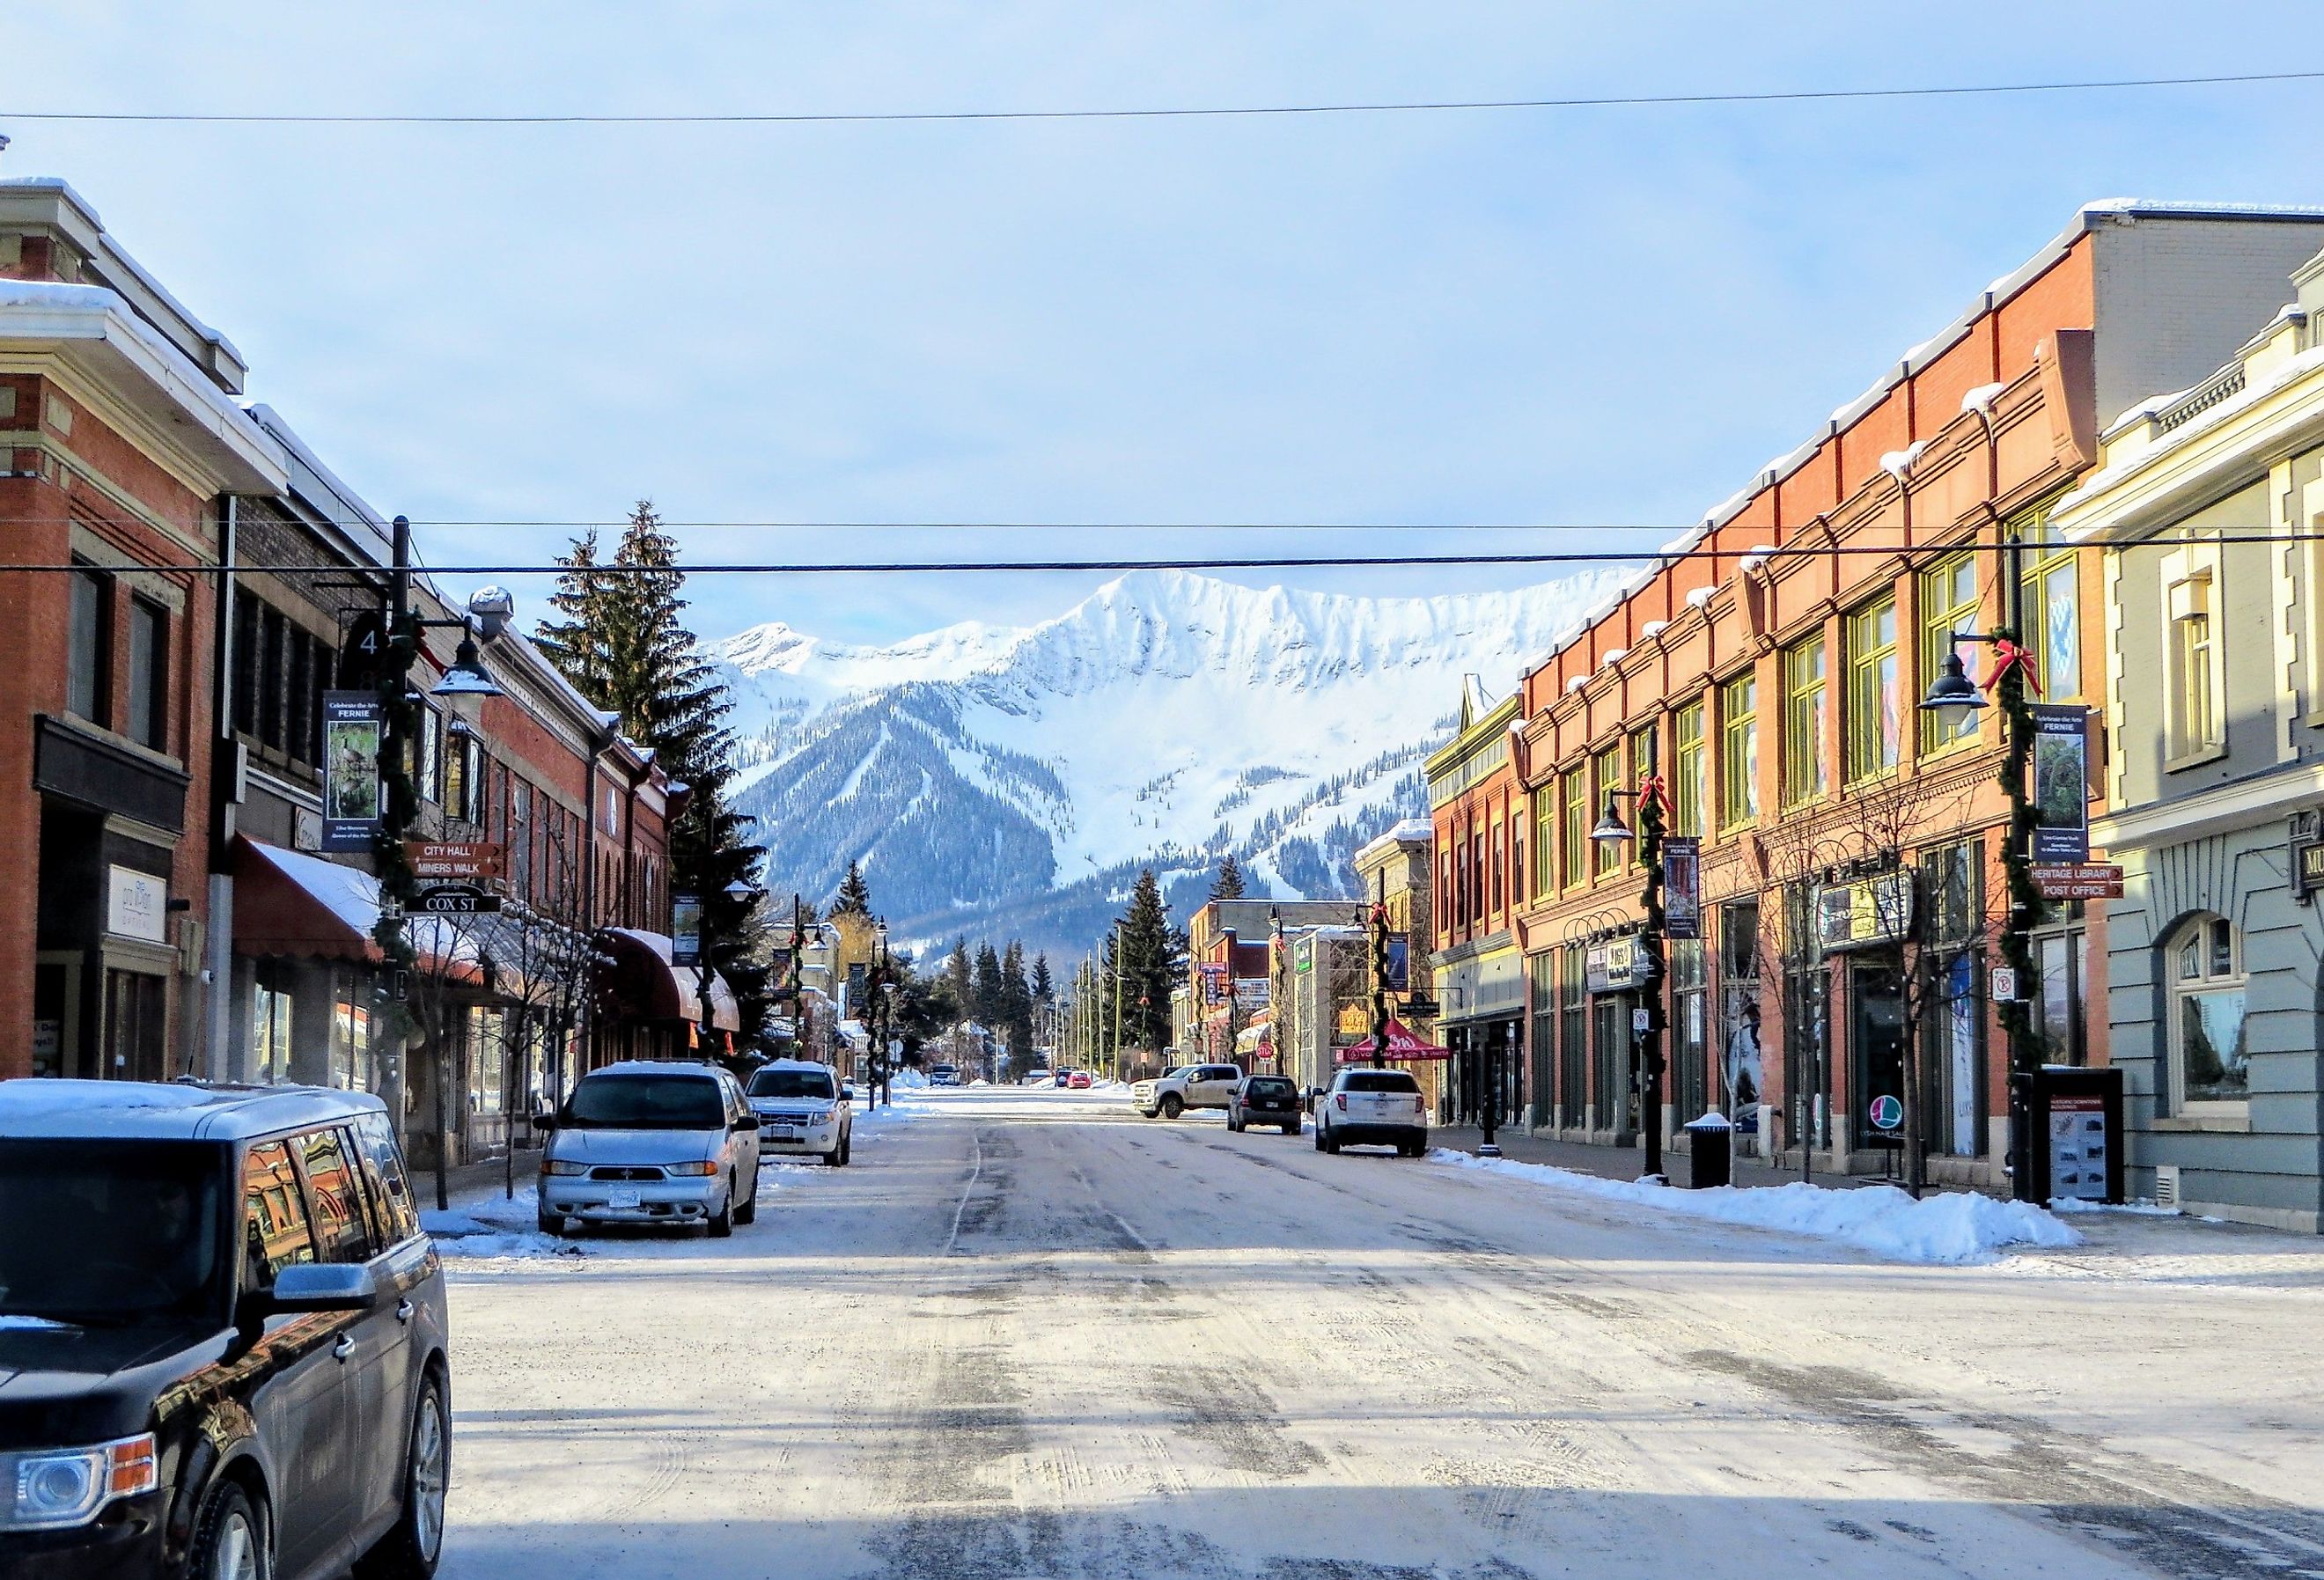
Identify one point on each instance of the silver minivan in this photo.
(644, 1143)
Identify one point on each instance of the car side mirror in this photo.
(544, 1122)
(847, 1093)
(321, 1286)
(747, 1121)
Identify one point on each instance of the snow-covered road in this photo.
(1029, 1334)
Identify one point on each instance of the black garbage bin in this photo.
(1711, 1153)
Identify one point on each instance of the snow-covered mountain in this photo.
(1012, 779)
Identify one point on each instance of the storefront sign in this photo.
(685, 933)
(352, 728)
(2078, 881)
(2078, 1146)
(1886, 1112)
(456, 860)
(1615, 966)
(1251, 992)
(2307, 866)
(137, 905)
(2061, 784)
(1683, 887)
(1865, 914)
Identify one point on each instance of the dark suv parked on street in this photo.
(222, 1336)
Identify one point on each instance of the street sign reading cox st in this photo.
(456, 900)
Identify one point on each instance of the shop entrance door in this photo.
(136, 1040)
(1877, 1033)
(1615, 1108)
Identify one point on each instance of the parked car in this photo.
(1193, 1085)
(1079, 1080)
(1040, 1077)
(943, 1075)
(223, 1350)
(1372, 1108)
(1062, 1079)
(645, 1142)
(1265, 1099)
(804, 1110)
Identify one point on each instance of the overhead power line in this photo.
(1154, 112)
(1267, 562)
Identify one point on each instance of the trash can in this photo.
(1711, 1153)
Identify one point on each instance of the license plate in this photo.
(621, 1200)
(783, 1132)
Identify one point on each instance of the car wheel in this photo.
(1319, 1138)
(1292, 1128)
(1331, 1144)
(836, 1156)
(846, 1148)
(550, 1223)
(722, 1223)
(1171, 1106)
(415, 1541)
(229, 1539)
(1147, 1113)
(747, 1211)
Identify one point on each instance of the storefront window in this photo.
(1572, 868)
(1541, 983)
(1874, 734)
(487, 1061)
(1573, 1034)
(1802, 767)
(1605, 775)
(1948, 603)
(2211, 1066)
(2060, 963)
(351, 1054)
(270, 1033)
(1689, 1053)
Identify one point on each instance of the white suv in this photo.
(803, 1109)
(640, 1142)
(1372, 1108)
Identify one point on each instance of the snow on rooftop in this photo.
(1701, 596)
(1981, 398)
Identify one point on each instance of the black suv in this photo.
(222, 1336)
(1265, 1099)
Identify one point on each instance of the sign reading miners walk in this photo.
(436, 858)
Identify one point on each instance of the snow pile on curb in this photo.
(1953, 1229)
(493, 1227)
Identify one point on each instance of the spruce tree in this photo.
(1227, 885)
(1044, 988)
(624, 645)
(956, 972)
(855, 894)
(1016, 1002)
(984, 994)
(1146, 966)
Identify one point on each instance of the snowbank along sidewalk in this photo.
(1950, 1229)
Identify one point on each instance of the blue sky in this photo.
(1606, 316)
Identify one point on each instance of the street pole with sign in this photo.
(1651, 1019)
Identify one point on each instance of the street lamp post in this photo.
(1653, 1019)
(741, 894)
(463, 689)
(1955, 698)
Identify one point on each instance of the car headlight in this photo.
(51, 1489)
(559, 1167)
(704, 1167)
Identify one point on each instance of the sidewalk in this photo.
(1624, 1163)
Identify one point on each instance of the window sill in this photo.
(2195, 759)
(2227, 1124)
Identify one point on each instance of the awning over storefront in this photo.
(1403, 1048)
(638, 975)
(287, 903)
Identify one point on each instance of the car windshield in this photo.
(649, 1103)
(1268, 1087)
(1381, 1081)
(816, 1084)
(109, 1233)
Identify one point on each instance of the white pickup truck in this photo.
(1193, 1085)
(1372, 1108)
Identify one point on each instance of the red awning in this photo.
(287, 903)
(1403, 1048)
(639, 981)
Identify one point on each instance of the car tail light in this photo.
(1340, 1101)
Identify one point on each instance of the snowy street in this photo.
(1028, 1333)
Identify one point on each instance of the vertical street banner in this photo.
(1400, 962)
(1681, 887)
(686, 929)
(2061, 784)
(352, 731)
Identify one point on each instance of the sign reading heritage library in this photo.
(1865, 914)
(2078, 881)
(352, 727)
(1681, 887)
(2061, 784)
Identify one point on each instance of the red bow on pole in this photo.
(2007, 656)
(1651, 793)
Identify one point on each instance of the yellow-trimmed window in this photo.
(1803, 768)
(1686, 770)
(1874, 726)
(1948, 603)
(1605, 775)
(1738, 752)
(2053, 616)
(1573, 870)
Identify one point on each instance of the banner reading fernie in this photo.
(1681, 887)
(351, 737)
(2061, 783)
